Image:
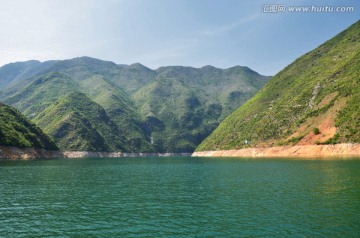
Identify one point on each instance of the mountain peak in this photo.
(138, 66)
(243, 68)
(208, 67)
(91, 60)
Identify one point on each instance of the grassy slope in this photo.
(310, 90)
(77, 123)
(16, 130)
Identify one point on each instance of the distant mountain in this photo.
(314, 100)
(14, 72)
(184, 105)
(171, 109)
(16, 130)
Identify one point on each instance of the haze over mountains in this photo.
(314, 100)
(93, 105)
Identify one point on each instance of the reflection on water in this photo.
(179, 197)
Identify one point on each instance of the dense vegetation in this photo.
(171, 109)
(319, 90)
(77, 123)
(16, 130)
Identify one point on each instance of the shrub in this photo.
(296, 139)
(316, 131)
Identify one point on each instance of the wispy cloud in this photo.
(229, 27)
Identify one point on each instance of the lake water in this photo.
(179, 197)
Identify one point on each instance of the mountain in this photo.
(40, 93)
(314, 100)
(16, 130)
(44, 89)
(171, 109)
(77, 123)
(184, 105)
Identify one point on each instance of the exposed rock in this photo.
(7, 152)
(323, 151)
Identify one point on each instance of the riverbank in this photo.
(315, 151)
(308, 151)
(7, 152)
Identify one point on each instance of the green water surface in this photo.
(179, 197)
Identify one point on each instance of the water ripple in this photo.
(179, 197)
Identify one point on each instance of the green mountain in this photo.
(171, 109)
(40, 93)
(77, 123)
(45, 89)
(184, 105)
(314, 100)
(16, 130)
(120, 108)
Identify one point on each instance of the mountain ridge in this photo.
(133, 65)
(170, 109)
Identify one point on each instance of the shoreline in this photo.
(92, 154)
(347, 150)
(14, 153)
(306, 151)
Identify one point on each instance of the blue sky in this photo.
(222, 33)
